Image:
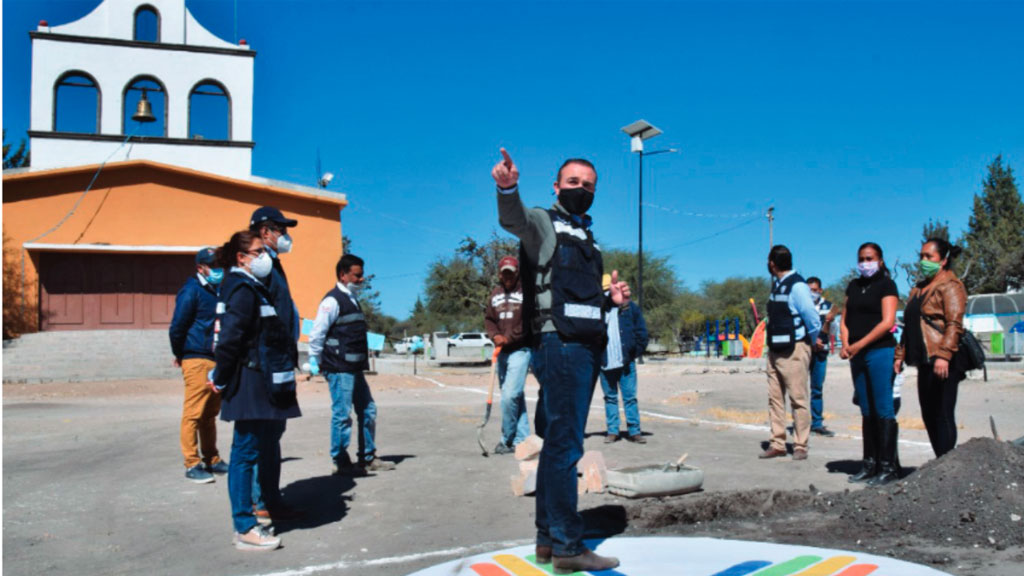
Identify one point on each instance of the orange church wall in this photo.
(144, 204)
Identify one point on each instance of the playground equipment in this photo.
(728, 342)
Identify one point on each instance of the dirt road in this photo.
(93, 482)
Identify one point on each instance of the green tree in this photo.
(995, 235)
(19, 158)
(662, 308)
(730, 298)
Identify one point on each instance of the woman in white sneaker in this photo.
(254, 374)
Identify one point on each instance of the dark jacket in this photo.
(943, 301)
(281, 294)
(632, 334)
(245, 390)
(191, 329)
(504, 315)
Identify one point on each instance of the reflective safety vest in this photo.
(345, 348)
(785, 328)
(577, 299)
(272, 351)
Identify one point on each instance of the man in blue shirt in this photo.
(793, 326)
(191, 335)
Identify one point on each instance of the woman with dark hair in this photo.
(255, 374)
(868, 317)
(933, 323)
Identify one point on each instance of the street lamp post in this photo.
(638, 132)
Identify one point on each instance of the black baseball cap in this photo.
(265, 213)
(206, 256)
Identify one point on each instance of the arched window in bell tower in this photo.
(209, 111)
(144, 108)
(147, 24)
(76, 103)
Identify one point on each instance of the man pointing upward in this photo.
(565, 307)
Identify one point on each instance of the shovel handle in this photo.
(494, 367)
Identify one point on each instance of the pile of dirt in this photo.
(973, 495)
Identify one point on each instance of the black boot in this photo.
(869, 467)
(888, 460)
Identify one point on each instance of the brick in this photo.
(530, 448)
(518, 484)
(593, 470)
(527, 466)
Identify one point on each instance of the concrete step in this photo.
(88, 355)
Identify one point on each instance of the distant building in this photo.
(100, 232)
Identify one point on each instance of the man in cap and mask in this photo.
(191, 333)
(272, 227)
(503, 319)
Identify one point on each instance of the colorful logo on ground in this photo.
(664, 556)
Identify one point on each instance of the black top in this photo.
(864, 308)
(913, 339)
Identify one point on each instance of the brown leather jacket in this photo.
(504, 315)
(944, 301)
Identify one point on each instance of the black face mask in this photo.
(575, 200)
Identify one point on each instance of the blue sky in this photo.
(856, 120)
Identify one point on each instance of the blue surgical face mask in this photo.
(215, 275)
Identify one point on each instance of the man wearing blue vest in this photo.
(566, 308)
(819, 358)
(272, 227)
(191, 335)
(337, 345)
(793, 325)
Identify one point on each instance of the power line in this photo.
(701, 214)
(712, 235)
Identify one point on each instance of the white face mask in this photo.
(284, 244)
(353, 288)
(816, 297)
(867, 269)
(261, 265)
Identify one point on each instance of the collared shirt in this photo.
(326, 314)
(613, 351)
(802, 303)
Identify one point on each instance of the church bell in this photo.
(144, 110)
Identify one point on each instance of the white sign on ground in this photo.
(695, 557)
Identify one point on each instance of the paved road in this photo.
(93, 482)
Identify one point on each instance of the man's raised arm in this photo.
(512, 214)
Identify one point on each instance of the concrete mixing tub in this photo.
(654, 480)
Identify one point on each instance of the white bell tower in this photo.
(89, 76)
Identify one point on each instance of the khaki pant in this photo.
(199, 415)
(788, 374)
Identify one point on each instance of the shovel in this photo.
(490, 400)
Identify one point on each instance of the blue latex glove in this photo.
(314, 366)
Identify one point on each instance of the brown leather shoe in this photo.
(611, 438)
(542, 554)
(637, 439)
(771, 453)
(585, 562)
(799, 454)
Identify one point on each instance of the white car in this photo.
(470, 340)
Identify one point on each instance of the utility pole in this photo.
(771, 220)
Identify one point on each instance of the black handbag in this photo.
(970, 352)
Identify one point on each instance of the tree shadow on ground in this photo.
(322, 499)
(604, 521)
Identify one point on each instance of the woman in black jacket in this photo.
(255, 374)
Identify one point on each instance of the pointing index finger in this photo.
(508, 159)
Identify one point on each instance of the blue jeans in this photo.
(872, 379)
(512, 367)
(348, 390)
(271, 483)
(818, 367)
(253, 440)
(567, 372)
(625, 380)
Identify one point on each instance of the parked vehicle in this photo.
(470, 340)
(409, 345)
